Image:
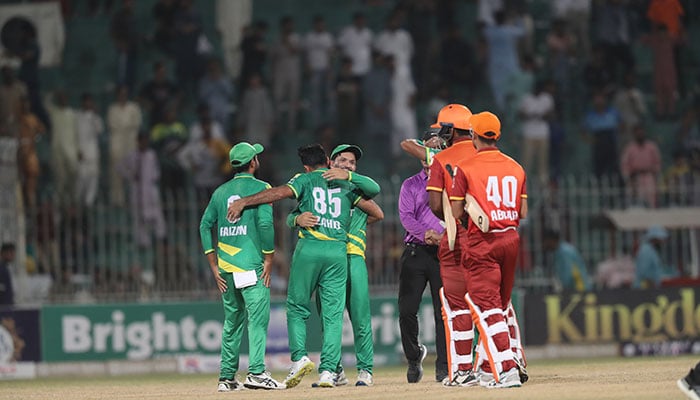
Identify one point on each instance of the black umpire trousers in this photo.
(419, 266)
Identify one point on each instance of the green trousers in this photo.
(318, 266)
(251, 304)
(357, 302)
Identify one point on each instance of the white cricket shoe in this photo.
(298, 371)
(508, 379)
(326, 380)
(262, 381)
(340, 378)
(228, 385)
(364, 378)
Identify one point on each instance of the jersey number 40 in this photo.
(506, 194)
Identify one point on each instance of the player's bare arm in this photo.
(266, 196)
(267, 269)
(457, 209)
(372, 209)
(414, 149)
(220, 281)
(435, 200)
(523, 209)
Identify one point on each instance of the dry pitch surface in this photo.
(609, 378)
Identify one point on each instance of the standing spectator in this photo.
(520, 83)
(536, 109)
(569, 267)
(376, 96)
(629, 102)
(163, 12)
(667, 13)
(577, 14)
(492, 249)
(355, 42)
(188, 63)
(665, 72)
(640, 165)
(141, 171)
(204, 117)
(319, 48)
(457, 60)
(12, 91)
(167, 138)
(597, 75)
(242, 275)
(561, 52)
(30, 129)
(28, 73)
(7, 257)
(64, 146)
(125, 36)
(502, 39)
(396, 42)
(254, 52)
(89, 126)
(286, 73)
(216, 90)
(347, 100)
(602, 124)
(402, 108)
(124, 122)
(256, 117)
(158, 94)
(613, 32)
(649, 269)
(419, 266)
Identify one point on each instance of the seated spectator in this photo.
(569, 267)
(615, 272)
(650, 270)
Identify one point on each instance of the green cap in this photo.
(243, 152)
(347, 147)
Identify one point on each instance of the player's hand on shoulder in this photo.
(307, 220)
(336, 173)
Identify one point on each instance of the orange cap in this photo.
(455, 114)
(487, 125)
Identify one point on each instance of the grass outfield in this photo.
(604, 378)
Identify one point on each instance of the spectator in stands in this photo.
(502, 39)
(7, 257)
(167, 138)
(64, 147)
(486, 10)
(125, 35)
(216, 90)
(163, 12)
(141, 171)
(569, 267)
(318, 45)
(536, 109)
(678, 179)
(665, 73)
(30, 129)
(188, 31)
(597, 75)
(376, 96)
(347, 99)
(458, 64)
(520, 83)
(576, 14)
(204, 117)
(613, 27)
(561, 55)
(286, 73)
(12, 91)
(615, 272)
(89, 126)
(667, 13)
(124, 122)
(629, 102)
(402, 108)
(438, 99)
(28, 73)
(206, 157)
(158, 94)
(396, 42)
(256, 117)
(253, 52)
(355, 42)
(640, 165)
(602, 124)
(650, 270)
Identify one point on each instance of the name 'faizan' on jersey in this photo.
(497, 182)
(331, 201)
(241, 243)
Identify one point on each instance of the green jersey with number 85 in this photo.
(331, 201)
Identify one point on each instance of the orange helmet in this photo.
(456, 116)
(486, 125)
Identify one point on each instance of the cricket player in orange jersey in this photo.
(492, 186)
(459, 332)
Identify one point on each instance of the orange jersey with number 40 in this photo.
(497, 183)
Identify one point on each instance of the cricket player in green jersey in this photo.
(343, 165)
(241, 266)
(319, 263)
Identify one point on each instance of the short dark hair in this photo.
(7, 247)
(487, 141)
(243, 168)
(551, 234)
(462, 132)
(312, 155)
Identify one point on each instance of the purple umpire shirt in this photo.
(414, 209)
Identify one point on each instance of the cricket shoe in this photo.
(364, 378)
(325, 380)
(463, 378)
(340, 378)
(298, 371)
(415, 368)
(262, 381)
(508, 379)
(522, 371)
(229, 385)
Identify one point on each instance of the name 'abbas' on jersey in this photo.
(331, 201)
(241, 243)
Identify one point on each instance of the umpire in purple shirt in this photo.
(419, 265)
